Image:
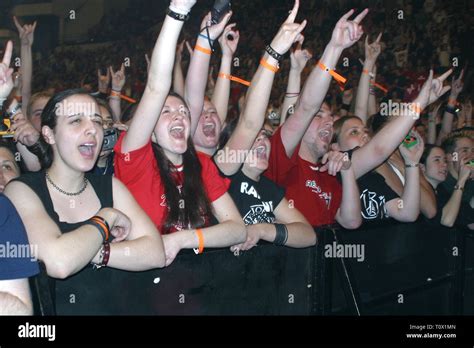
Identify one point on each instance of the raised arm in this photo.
(178, 76)
(118, 81)
(159, 80)
(220, 97)
(345, 34)
(27, 35)
(432, 123)
(448, 117)
(299, 58)
(253, 115)
(196, 79)
(379, 148)
(372, 106)
(408, 209)
(372, 51)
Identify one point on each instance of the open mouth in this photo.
(325, 135)
(261, 152)
(87, 150)
(209, 129)
(177, 132)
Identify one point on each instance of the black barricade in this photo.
(405, 269)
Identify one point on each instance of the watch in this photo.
(458, 187)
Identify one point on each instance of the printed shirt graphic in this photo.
(139, 172)
(256, 201)
(316, 195)
(375, 193)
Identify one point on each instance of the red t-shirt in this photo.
(316, 195)
(139, 171)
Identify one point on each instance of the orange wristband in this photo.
(382, 88)
(233, 78)
(341, 80)
(121, 96)
(417, 108)
(270, 67)
(203, 50)
(201, 242)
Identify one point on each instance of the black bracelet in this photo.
(281, 235)
(177, 16)
(273, 53)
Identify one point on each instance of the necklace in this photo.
(64, 192)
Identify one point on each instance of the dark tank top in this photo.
(74, 295)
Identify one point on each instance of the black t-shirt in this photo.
(256, 201)
(69, 293)
(374, 194)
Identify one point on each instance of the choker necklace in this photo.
(64, 192)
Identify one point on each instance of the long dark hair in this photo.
(189, 206)
(42, 149)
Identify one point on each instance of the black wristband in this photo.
(273, 53)
(281, 234)
(177, 16)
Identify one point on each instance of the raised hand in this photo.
(215, 30)
(432, 89)
(6, 81)
(413, 154)
(347, 32)
(289, 33)
(118, 78)
(26, 32)
(457, 85)
(373, 50)
(25, 133)
(299, 57)
(229, 47)
(103, 81)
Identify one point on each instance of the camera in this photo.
(110, 139)
(220, 9)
